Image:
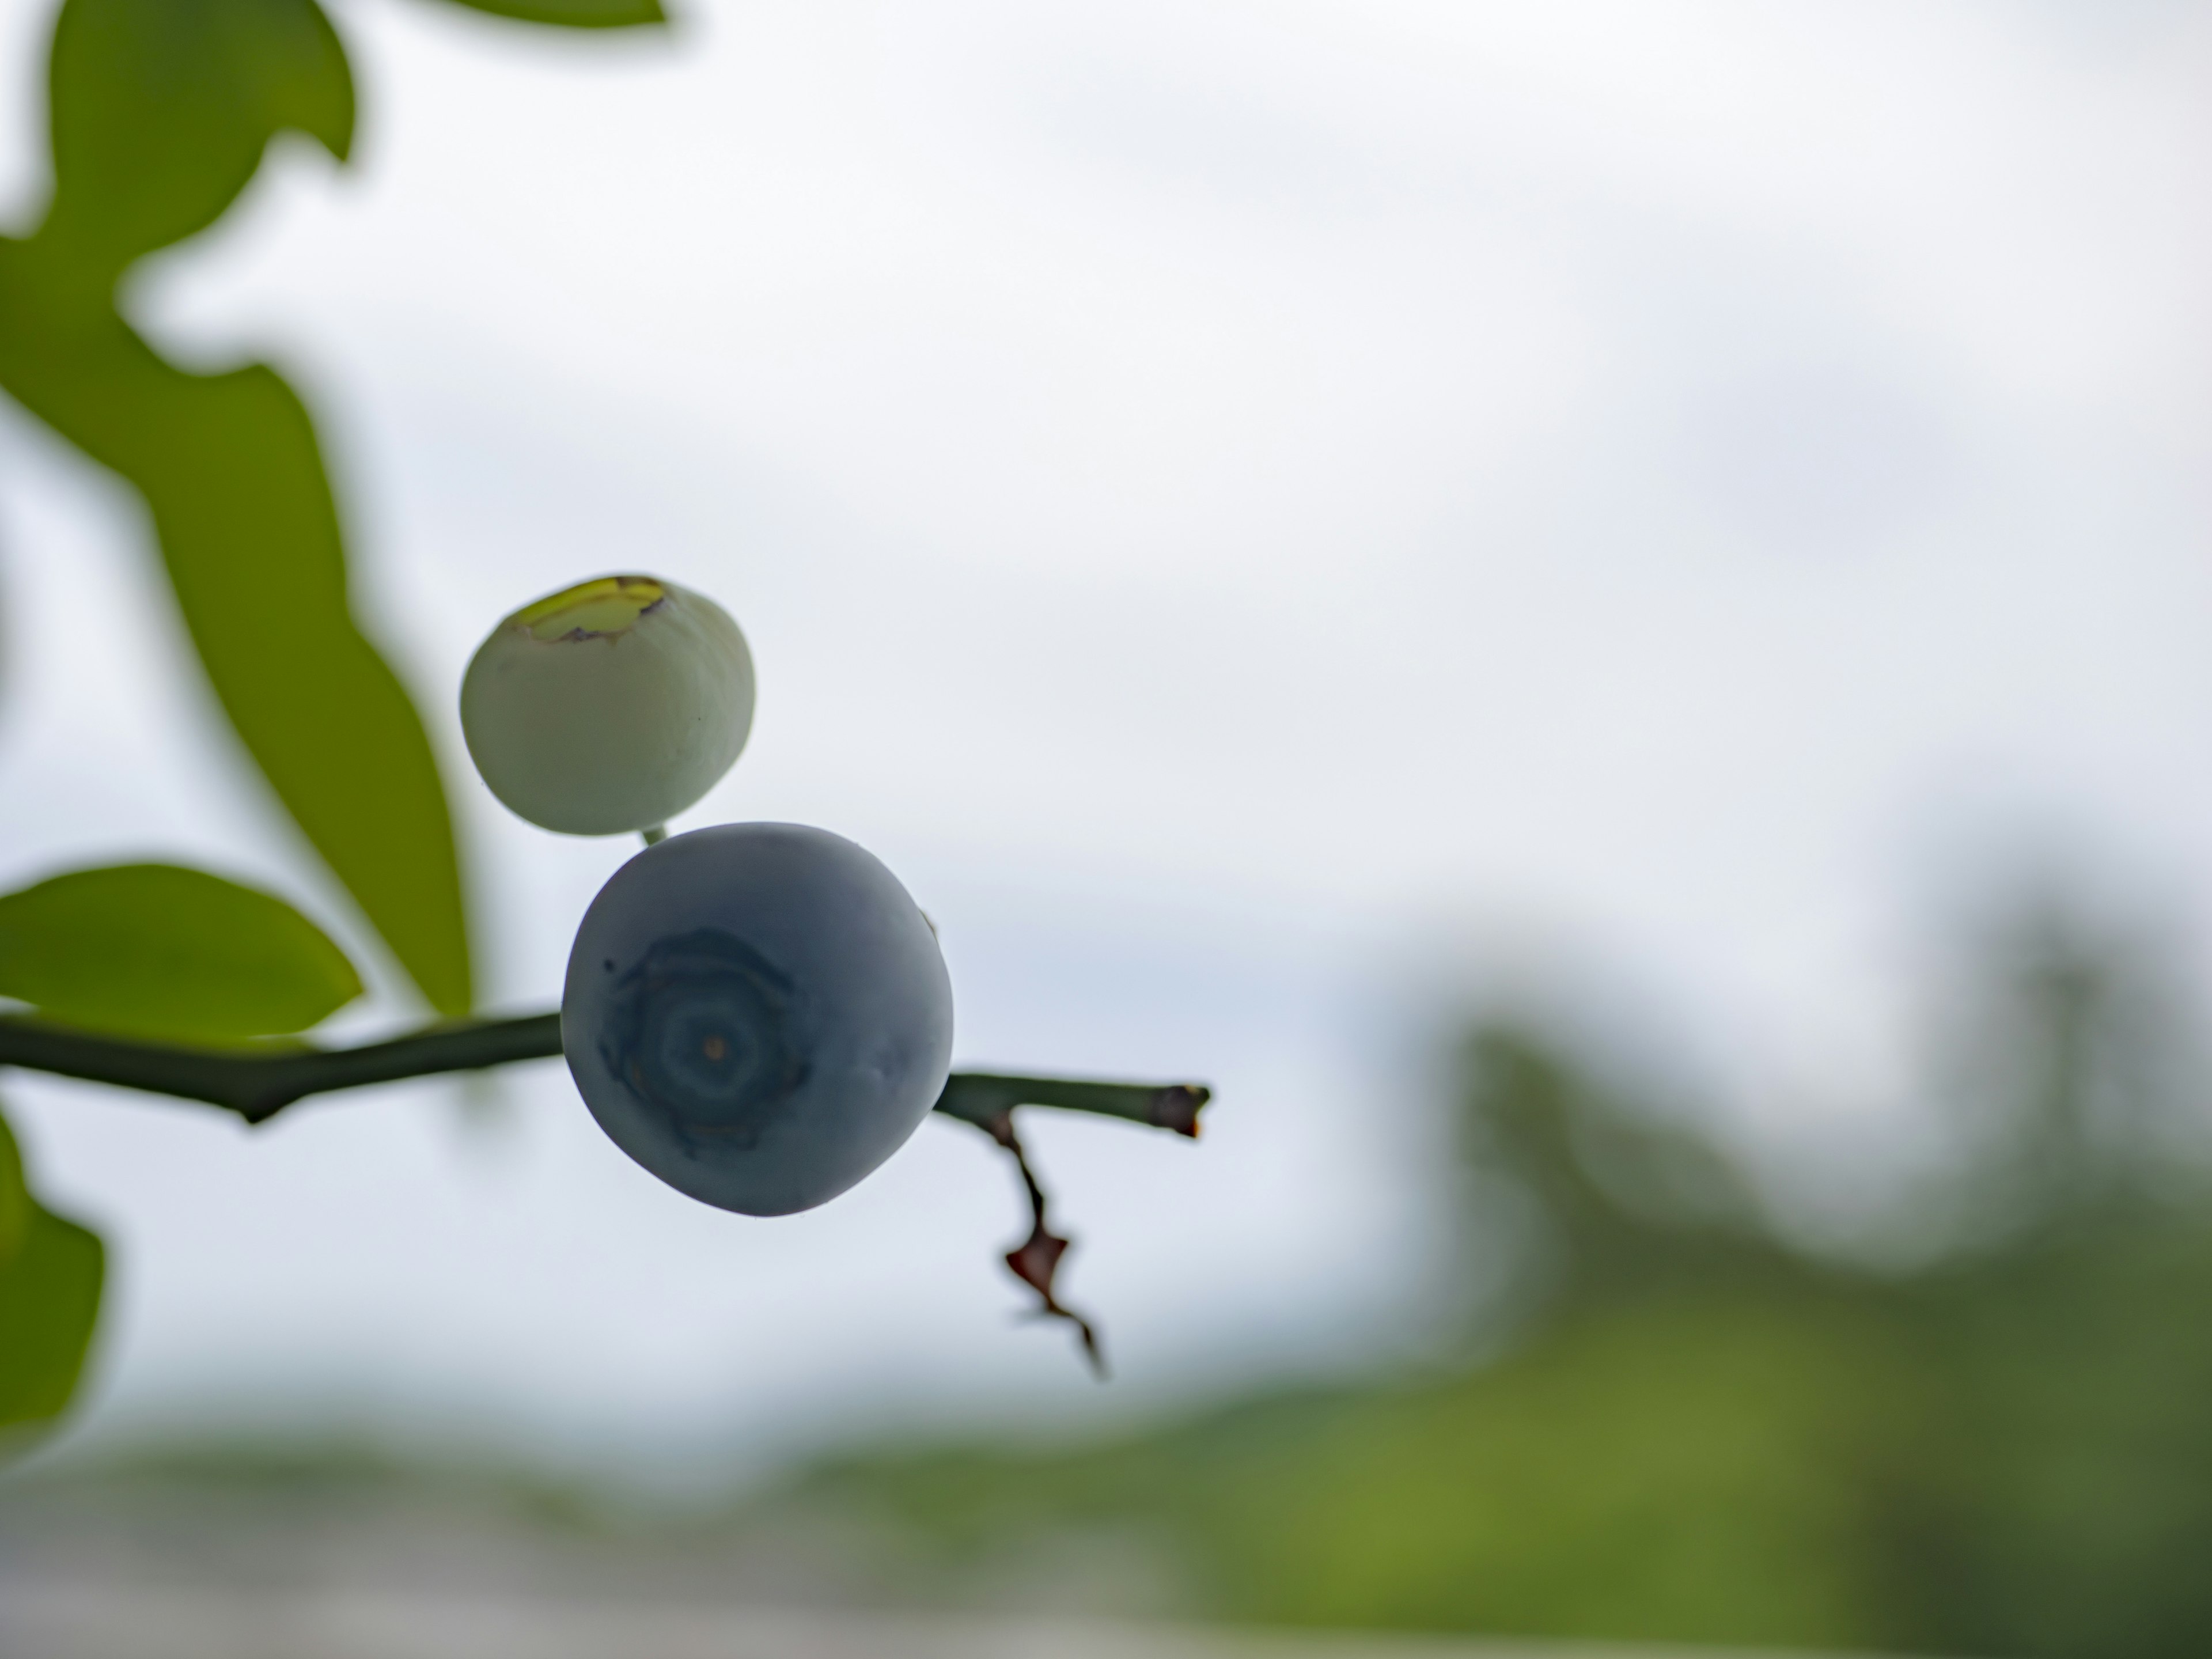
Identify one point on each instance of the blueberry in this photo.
(609, 706)
(776, 1019)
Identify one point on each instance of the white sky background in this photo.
(1229, 501)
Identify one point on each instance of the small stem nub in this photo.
(654, 834)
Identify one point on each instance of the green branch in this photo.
(984, 1099)
(258, 1083)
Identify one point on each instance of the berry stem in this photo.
(983, 1098)
(1036, 1260)
(654, 834)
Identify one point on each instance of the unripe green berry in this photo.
(609, 706)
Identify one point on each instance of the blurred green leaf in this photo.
(154, 950)
(574, 14)
(49, 1303)
(14, 1198)
(160, 111)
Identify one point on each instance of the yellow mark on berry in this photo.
(607, 604)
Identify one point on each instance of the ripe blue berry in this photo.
(757, 1013)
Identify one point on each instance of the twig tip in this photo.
(1177, 1106)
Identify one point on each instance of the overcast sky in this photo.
(1233, 502)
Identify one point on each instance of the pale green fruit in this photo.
(609, 706)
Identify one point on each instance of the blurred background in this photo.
(1597, 612)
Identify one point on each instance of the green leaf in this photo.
(49, 1303)
(160, 110)
(574, 14)
(157, 950)
(230, 470)
(15, 1205)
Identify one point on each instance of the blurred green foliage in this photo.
(160, 112)
(575, 14)
(50, 1277)
(158, 951)
(1700, 1431)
